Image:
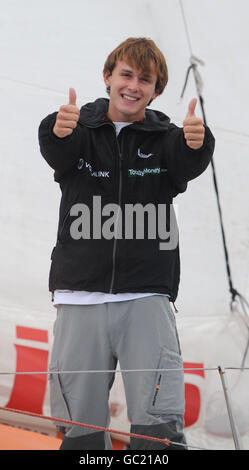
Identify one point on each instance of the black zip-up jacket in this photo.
(149, 162)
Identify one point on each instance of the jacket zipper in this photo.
(119, 203)
(117, 220)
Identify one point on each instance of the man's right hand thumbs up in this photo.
(67, 117)
(72, 96)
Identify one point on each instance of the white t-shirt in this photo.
(65, 296)
(88, 298)
(120, 125)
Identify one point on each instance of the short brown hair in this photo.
(140, 52)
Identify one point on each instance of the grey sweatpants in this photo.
(140, 334)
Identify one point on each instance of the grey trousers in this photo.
(140, 334)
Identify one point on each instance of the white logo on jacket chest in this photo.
(144, 155)
(80, 163)
(97, 174)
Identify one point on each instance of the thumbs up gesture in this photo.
(193, 127)
(67, 117)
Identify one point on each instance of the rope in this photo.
(193, 67)
(199, 85)
(118, 371)
(165, 441)
(186, 27)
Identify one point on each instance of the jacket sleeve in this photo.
(184, 163)
(60, 153)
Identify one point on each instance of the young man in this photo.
(113, 280)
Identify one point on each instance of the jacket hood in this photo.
(95, 114)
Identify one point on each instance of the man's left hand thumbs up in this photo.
(193, 127)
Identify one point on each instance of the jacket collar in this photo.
(95, 114)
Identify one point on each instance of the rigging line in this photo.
(193, 60)
(220, 129)
(245, 353)
(233, 291)
(186, 27)
(87, 98)
(32, 85)
(39, 87)
(232, 131)
(104, 371)
(165, 441)
(117, 371)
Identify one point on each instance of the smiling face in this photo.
(131, 90)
